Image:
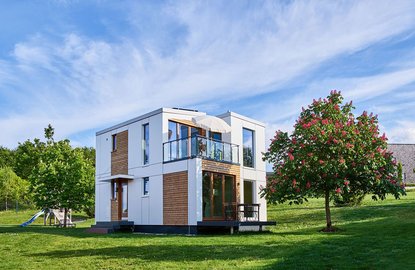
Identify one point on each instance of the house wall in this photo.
(175, 198)
(405, 154)
(257, 174)
(148, 209)
(142, 209)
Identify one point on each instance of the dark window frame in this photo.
(114, 142)
(146, 143)
(146, 186)
(252, 149)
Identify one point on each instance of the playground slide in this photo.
(30, 221)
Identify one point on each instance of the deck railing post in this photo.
(258, 211)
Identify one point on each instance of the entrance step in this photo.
(100, 230)
(112, 226)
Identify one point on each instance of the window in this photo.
(145, 185)
(114, 189)
(172, 131)
(248, 192)
(181, 145)
(146, 143)
(215, 136)
(114, 142)
(248, 147)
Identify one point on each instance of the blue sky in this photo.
(85, 65)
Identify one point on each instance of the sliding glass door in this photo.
(219, 196)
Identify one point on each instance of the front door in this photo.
(219, 196)
(120, 198)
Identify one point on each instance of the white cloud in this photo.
(371, 87)
(403, 132)
(79, 83)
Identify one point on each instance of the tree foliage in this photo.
(331, 153)
(89, 205)
(400, 172)
(13, 189)
(63, 178)
(27, 156)
(7, 157)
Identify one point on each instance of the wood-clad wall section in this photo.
(175, 198)
(119, 157)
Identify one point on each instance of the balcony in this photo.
(202, 147)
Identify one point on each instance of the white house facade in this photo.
(163, 172)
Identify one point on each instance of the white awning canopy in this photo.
(117, 176)
(211, 123)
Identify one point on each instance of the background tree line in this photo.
(47, 174)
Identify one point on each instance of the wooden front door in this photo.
(119, 199)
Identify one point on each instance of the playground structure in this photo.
(58, 216)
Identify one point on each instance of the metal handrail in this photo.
(202, 137)
(249, 212)
(195, 150)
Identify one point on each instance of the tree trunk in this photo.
(328, 214)
(65, 217)
(6, 204)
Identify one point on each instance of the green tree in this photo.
(12, 187)
(27, 156)
(89, 205)
(400, 174)
(330, 153)
(7, 157)
(62, 178)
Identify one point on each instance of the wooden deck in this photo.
(234, 225)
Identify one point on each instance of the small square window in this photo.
(145, 185)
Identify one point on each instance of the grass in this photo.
(376, 235)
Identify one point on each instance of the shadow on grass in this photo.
(372, 237)
(364, 242)
(369, 244)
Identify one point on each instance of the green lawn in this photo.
(377, 235)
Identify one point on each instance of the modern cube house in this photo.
(165, 172)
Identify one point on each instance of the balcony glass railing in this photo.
(198, 146)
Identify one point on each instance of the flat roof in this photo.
(242, 117)
(147, 115)
(176, 111)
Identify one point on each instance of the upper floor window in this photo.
(172, 131)
(145, 185)
(248, 147)
(114, 142)
(146, 143)
(183, 140)
(215, 136)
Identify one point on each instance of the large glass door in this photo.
(219, 196)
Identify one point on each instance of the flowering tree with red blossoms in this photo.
(331, 153)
